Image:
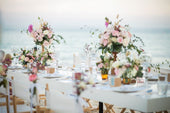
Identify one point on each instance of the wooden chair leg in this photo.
(14, 104)
(7, 103)
(165, 111)
(123, 110)
(132, 111)
(109, 108)
(159, 112)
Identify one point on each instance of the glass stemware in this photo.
(145, 61)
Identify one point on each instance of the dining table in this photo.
(137, 97)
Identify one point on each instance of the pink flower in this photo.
(42, 58)
(33, 77)
(100, 65)
(137, 68)
(120, 40)
(129, 34)
(39, 38)
(50, 41)
(115, 33)
(39, 30)
(106, 35)
(116, 71)
(50, 35)
(30, 28)
(46, 43)
(26, 59)
(34, 34)
(31, 61)
(106, 23)
(105, 42)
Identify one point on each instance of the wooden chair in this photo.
(90, 108)
(109, 108)
(4, 95)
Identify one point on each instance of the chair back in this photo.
(60, 103)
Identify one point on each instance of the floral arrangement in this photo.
(104, 64)
(43, 34)
(115, 37)
(130, 67)
(7, 61)
(44, 57)
(3, 73)
(81, 83)
(26, 56)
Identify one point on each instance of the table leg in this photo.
(100, 107)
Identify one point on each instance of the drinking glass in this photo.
(146, 60)
(162, 85)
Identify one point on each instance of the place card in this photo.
(114, 81)
(50, 70)
(168, 77)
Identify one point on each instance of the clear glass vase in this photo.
(79, 108)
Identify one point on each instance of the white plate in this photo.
(51, 75)
(128, 89)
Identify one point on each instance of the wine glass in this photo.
(145, 62)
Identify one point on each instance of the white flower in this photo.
(22, 57)
(126, 41)
(82, 84)
(133, 72)
(107, 56)
(109, 45)
(91, 81)
(45, 32)
(116, 64)
(114, 39)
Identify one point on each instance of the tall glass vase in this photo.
(79, 108)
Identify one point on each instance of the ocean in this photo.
(157, 43)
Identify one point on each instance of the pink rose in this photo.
(31, 61)
(115, 33)
(39, 38)
(46, 43)
(30, 28)
(26, 59)
(39, 30)
(105, 42)
(116, 71)
(106, 35)
(129, 35)
(50, 35)
(4, 67)
(120, 40)
(34, 34)
(106, 23)
(33, 77)
(100, 65)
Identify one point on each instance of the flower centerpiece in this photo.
(43, 34)
(115, 37)
(45, 57)
(25, 57)
(3, 74)
(80, 85)
(104, 65)
(128, 68)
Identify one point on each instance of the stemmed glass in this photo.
(93, 65)
(145, 62)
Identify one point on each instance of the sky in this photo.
(69, 14)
